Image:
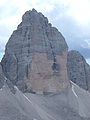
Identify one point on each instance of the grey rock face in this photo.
(2, 78)
(29, 106)
(78, 69)
(34, 35)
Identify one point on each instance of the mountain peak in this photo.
(35, 61)
(36, 56)
(33, 10)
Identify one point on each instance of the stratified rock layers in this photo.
(36, 56)
(78, 69)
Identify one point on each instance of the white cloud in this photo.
(2, 2)
(88, 61)
(79, 10)
(86, 44)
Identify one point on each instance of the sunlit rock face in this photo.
(78, 70)
(36, 56)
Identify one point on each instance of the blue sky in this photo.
(71, 17)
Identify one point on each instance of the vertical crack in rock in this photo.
(55, 66)
(84, 62)
(1, 77)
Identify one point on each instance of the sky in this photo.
(71, 17)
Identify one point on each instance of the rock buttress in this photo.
(78, 70)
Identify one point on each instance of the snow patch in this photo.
(5, 78)
(16, 87)
(27, 99)
(74, 85)
(74, 91)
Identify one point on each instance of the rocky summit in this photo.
(78, 70)
(37, 61)
(36, 56)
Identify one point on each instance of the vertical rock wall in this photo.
(36, 56)
(78, 69)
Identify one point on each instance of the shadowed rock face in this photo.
(2, 78)
(36, 56)
(78, 69)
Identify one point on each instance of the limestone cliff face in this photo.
(78, 69)
(2, 78)
(36, 56)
